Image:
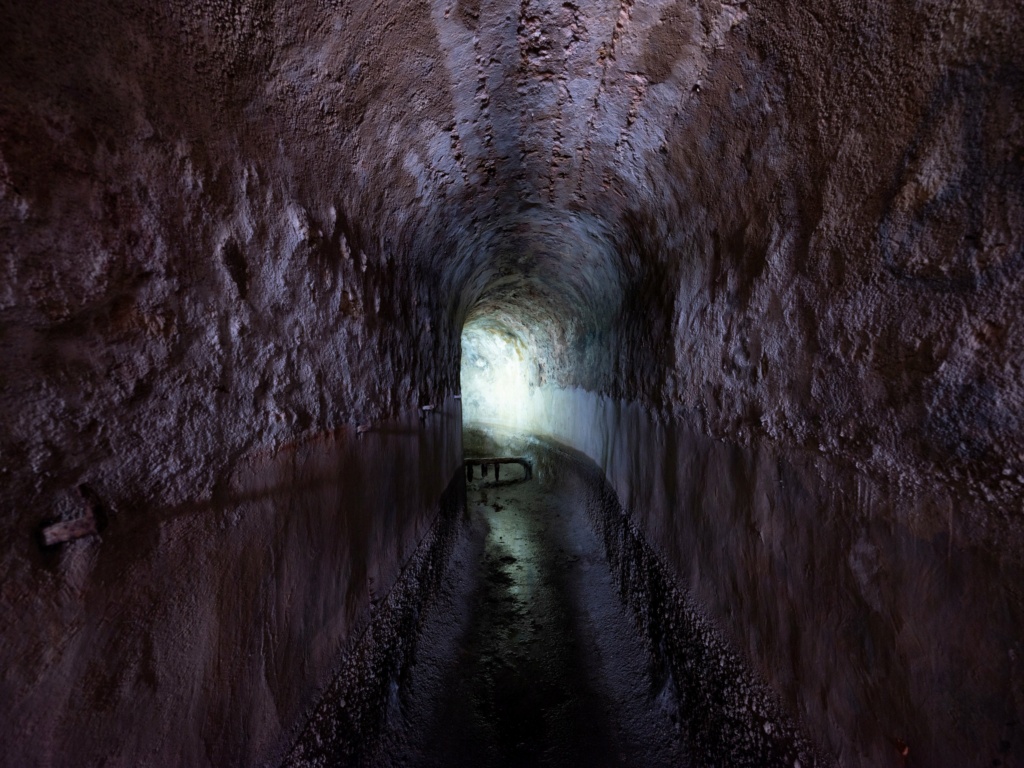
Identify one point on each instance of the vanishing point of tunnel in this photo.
(734, 289)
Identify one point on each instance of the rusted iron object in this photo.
(484, 463)
(91, 520)
(69, 530)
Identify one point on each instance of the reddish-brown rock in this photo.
(764, 260)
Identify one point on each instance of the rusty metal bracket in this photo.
(91, 520)
(484, 463)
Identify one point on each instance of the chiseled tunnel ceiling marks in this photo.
(761, 262)
(561, 117)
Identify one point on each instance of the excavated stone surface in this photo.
(213, 278)
(908, 633)
(725, 713)
(778, 233)
(354, 706)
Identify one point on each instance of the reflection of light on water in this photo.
(516, 536)
(498, 386)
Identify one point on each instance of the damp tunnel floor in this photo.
(528, 657)
(553, 637)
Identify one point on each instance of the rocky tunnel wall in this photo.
(219, 313)
(764, 258)
(806, 386)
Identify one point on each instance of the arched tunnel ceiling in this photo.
(737, 212)
(544, 275)
(561, 114)
(741, 237)
(561, 117)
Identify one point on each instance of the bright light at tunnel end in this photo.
(497, 378)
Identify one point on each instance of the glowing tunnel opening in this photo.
(498, 378)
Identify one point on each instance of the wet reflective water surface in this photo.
(529, 658)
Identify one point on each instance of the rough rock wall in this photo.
(844, 452)
(807, 383)
(878, 629)
(352, 713)
(845, 245)
(838, 431)
(790, 222)
(725, 715)
(212, 271)
(790, 228)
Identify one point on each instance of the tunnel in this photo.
(740, 282)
